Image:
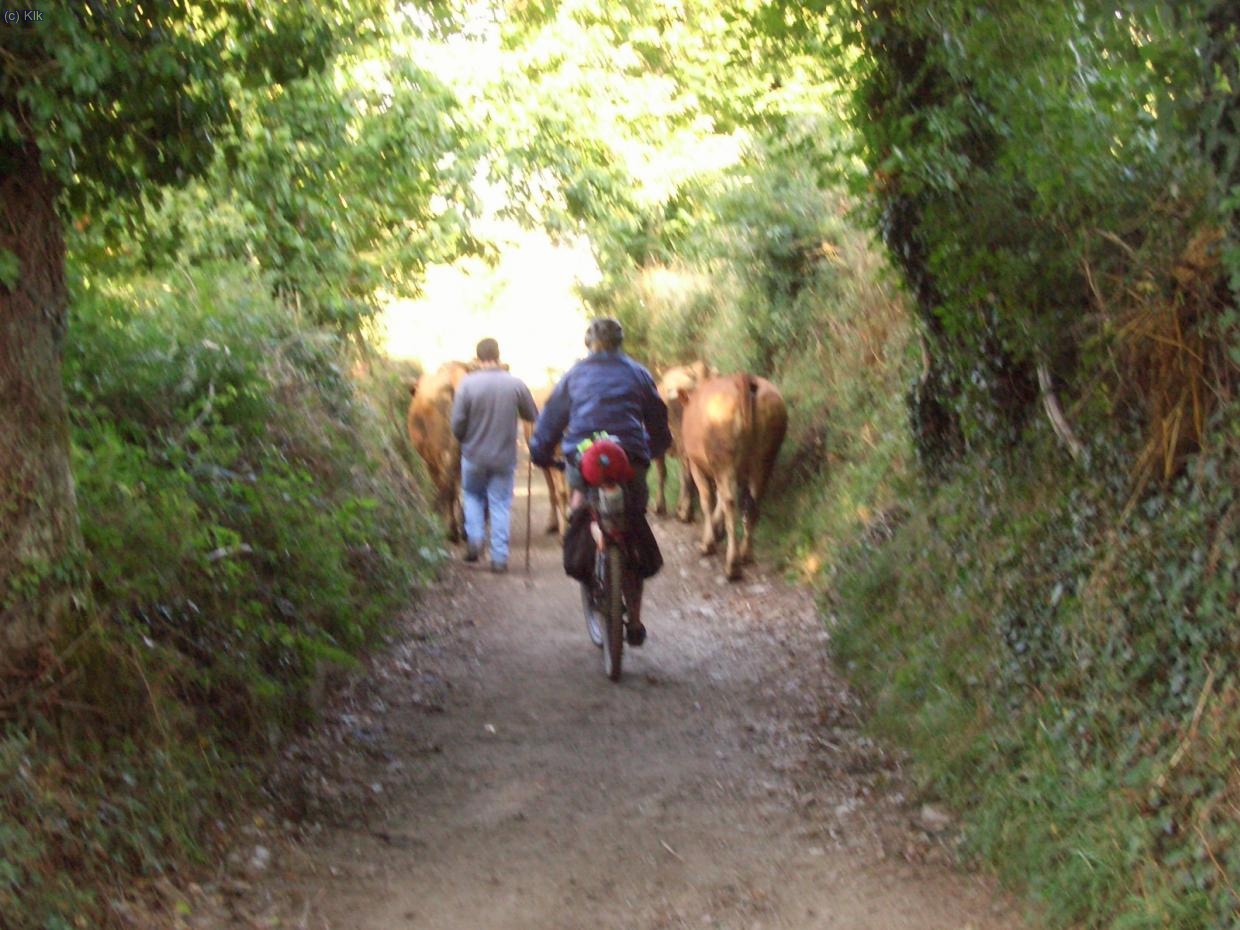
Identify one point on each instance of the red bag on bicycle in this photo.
(605, 462)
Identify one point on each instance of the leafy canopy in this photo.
(116, 95)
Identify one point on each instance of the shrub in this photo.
(251, 524)
(1063, 665)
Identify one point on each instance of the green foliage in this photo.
(242, 180)
(1057, 651)
(608, 114)
(771, 275)
(1213, 28)
(753, 268)
(10, 269)
(168, 72)
(336, 184)
(251, 527)
(77, 819)
(1034, 167)
(1067, 671)
(244, 507)
(1057, 184)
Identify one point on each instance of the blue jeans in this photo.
(487, 489)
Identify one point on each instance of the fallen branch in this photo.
(1054, 413)
(1111, 237)
(1178, 755)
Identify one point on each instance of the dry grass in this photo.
(1170, 348)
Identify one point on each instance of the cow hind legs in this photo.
(684, 505)
(707, 546)
(684, 511)
(727, 500)
(555, 519)
(749, 510)
(660, 500)
(557, 499)
(454, 515)
(722, 507)
(719, 511)
(717, 520)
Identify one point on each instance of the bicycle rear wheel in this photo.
(613, 610)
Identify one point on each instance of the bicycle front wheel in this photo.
(613, 610)
(594, 623)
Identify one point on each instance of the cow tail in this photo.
(747, 502)
(749, 401)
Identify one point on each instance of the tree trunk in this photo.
(40, 538)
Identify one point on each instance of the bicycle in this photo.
(602, 597)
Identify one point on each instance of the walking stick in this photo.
(529, 484)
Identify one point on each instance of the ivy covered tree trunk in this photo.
(39, 532)
(933, 398)
(972, 387)
(906, 84)
(1220, 134)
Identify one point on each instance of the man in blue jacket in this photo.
(606, 391)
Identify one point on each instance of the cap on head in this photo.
(488, 351)
(604, 334)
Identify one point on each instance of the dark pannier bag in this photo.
(579, 546)
(644, 554)
(580, 550)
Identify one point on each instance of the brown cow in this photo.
(557, 484)
(675, 380)
(557, 491)
(430, 431)
(731, 431)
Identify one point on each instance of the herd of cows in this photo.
(726, 434)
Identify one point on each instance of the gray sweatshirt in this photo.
(484, 416)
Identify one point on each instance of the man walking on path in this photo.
(484, 420)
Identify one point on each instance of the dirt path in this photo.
(487, 776)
